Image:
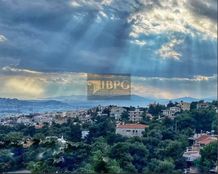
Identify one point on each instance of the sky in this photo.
(47, 47)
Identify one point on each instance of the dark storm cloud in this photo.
(204, 8)
(41, 14)
(55, 36)
(49, 35)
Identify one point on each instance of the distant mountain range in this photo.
(28, 106)
(75, 102)
(134, 98)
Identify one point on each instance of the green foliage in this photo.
(102, 127)
(160, 149)
(131, 157)
(159, 166)
(199, 120)
(193, 105)
(170, 104)
(40, 167)
(6, 160)
(203, 119)
(14, 137)
(125, 116)
(208, 158)
(156, 109)
(215, 124)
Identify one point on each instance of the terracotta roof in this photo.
(205, 139)
(132, 126)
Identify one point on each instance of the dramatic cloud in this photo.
(184, 16)
(168, 88)
(26, 84)
(138, 42)
(152, 38)
(2, 38)
(23, 87)
(167, 51)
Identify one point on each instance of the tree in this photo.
(132, 157)
(40, 167)
(156, 109)
(158, 166)
(99, 162)
(75, 132)
(208, 158)
(170, 104)
(203, 119)
(102, 127)
(38, 137)
(125, 116)
(193, 105)
(215, 124)
(184, 121)
(5, 160)
(174, 150)
(14, 137)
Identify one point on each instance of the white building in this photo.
(130, 130)
(150, 116)
(84, 133)
(199, 141)
(175, 109)
(72, 114)
(116, 112)
(171, 112)
(216, 109)
(136, 115)
(191, 155)
(168, 113)
(85, 118)
(61, 140)
(24, 120)
(42, 119)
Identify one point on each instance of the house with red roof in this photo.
(199, 141)
(131, 130)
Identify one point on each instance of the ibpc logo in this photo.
(108, 86)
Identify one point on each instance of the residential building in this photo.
(216, 109)
(214, 170)
(85, 118)
(24, 120)
(204, 139)
(72, 114)
(60, 119)
(175, 109)
(116, 112)
(42, 119)
(136, 115)
(192, 153)
(150, 116)
(171, 112)
(131, 130)
(184, 106)
(168, 113)
(199, 141)
(27, 143)
(84, 133)
(202, 105)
